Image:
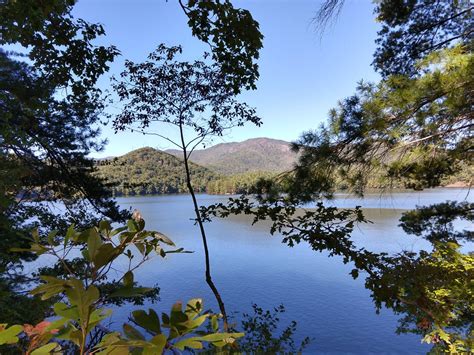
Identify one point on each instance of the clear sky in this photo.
(302, 75)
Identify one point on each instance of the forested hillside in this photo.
(252, 155)
(149, 171)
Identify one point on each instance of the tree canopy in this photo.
(412, 30)
(233, 36)
(51, 110)
(48, 126)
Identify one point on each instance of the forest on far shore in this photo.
(147, 171)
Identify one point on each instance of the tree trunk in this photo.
(203, 233)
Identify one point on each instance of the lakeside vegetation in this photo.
(51, 113)
(147, 171)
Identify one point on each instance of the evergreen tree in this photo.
(414, 127)
(49, 111)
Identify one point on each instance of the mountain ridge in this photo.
(251, 155)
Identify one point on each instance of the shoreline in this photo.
(460, 185)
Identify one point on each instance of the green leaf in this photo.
(150, 322)
(132, 333)
(35, 235)
(160, 236)
(165, 319)
(128, 279)
(141, 224)
(93, 243)
(52, 287)
(98, 316)
(159, 340)
(36, 248)
(119, 349)
(214, 324)
(118, 230)
(221, 337)
(194, 307)
(45, 349)
(108, 343)
(82, 298)
(197, 322)
(189, 343)
(84, 235)
(51, 237)
(63, 310)
(141, 248)
(9, 335)
(104, 226)
(106, 253)
(71, 333)
(132, 225)
(177, 316)
(70, 233)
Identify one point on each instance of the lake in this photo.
(251, 266)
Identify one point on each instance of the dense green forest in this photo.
(237, 184)
(148, 171)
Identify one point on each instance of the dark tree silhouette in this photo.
(233, 36)
(48, 109)
(194, 98)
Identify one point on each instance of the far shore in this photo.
(456, 185)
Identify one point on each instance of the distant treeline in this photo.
(236, 184)
(147, 171)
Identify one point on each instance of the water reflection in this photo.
(249, 266)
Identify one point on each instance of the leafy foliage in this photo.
(260, 333)
(59, 46)
(414, 126)
(234, 37)
(180, 324)
(50, 107)
(80, 311)
(193, 97)
(436, 222)
(416, 131)
(433, 290)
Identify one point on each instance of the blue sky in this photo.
(302, 75)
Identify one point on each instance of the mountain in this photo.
(252, 155)
(150, 171)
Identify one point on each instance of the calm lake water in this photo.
(250, 266)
